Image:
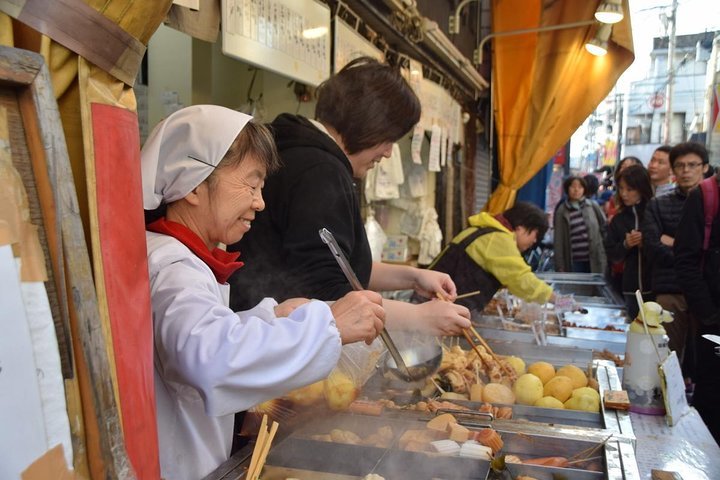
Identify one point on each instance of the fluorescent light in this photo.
(609, 11)
(317, 32)
(599, 44)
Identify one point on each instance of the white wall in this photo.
(169, 70)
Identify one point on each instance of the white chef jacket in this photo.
(211, 362)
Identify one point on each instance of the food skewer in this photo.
(589, 451)
(482, 341)
(582, 460)
(508, 370)
(466, 295)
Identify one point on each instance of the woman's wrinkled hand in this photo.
(429, 283)
(285, 308)
(359, 316)
(438, 318)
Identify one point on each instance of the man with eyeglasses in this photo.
(689, 162)
(660, 171)
(697, 265)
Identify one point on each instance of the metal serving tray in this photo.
(589, 289)
(528, 339)
(300, 451)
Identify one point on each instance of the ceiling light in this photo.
(598, 46)
(609, 11)
(317, 32)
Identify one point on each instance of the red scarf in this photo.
(222, 263)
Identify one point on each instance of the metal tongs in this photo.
(330, 241)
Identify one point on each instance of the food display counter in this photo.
(340, 445)
(319, 448)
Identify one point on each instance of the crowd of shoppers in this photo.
(658, 239)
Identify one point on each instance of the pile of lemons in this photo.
(543, 386)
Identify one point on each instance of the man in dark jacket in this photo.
(689, 161)
(698, 273)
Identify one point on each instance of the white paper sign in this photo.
(673, 388)
(22, 435)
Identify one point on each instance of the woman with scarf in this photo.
(623, 241)
(203, 170)
(488, 255)
(579, 230)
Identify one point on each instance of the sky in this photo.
(693, 16)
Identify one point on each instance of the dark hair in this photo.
(568, 181)
(710, 171)
(254, 139)
(618, 166)
(637, 178)
(663, 148)
(368, 103)
(525, 214)
(592, 183)
(686, 148)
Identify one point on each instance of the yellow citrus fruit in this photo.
(586, 403)
(560, 387)
(549, 402)
(517, 363)
(577, 376)
(528, 389)
(586, 391)
(543, 370)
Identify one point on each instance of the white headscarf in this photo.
(184, 149)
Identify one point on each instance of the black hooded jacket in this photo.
(283, 253)
(634, 258)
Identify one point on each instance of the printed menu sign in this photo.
(290, 37)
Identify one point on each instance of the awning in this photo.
(546, 84)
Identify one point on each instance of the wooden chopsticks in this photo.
(262, 447)
(509, 371)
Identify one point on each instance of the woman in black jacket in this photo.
(623, 241)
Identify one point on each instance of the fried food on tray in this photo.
(489, 438)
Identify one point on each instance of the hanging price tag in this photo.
(416, 145)
(434, 161)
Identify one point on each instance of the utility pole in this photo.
(671, 74)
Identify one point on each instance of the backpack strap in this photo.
(710, 193)
(473, 236)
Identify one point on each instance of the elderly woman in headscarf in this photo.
(204, 167)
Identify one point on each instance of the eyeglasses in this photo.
(687, 166)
